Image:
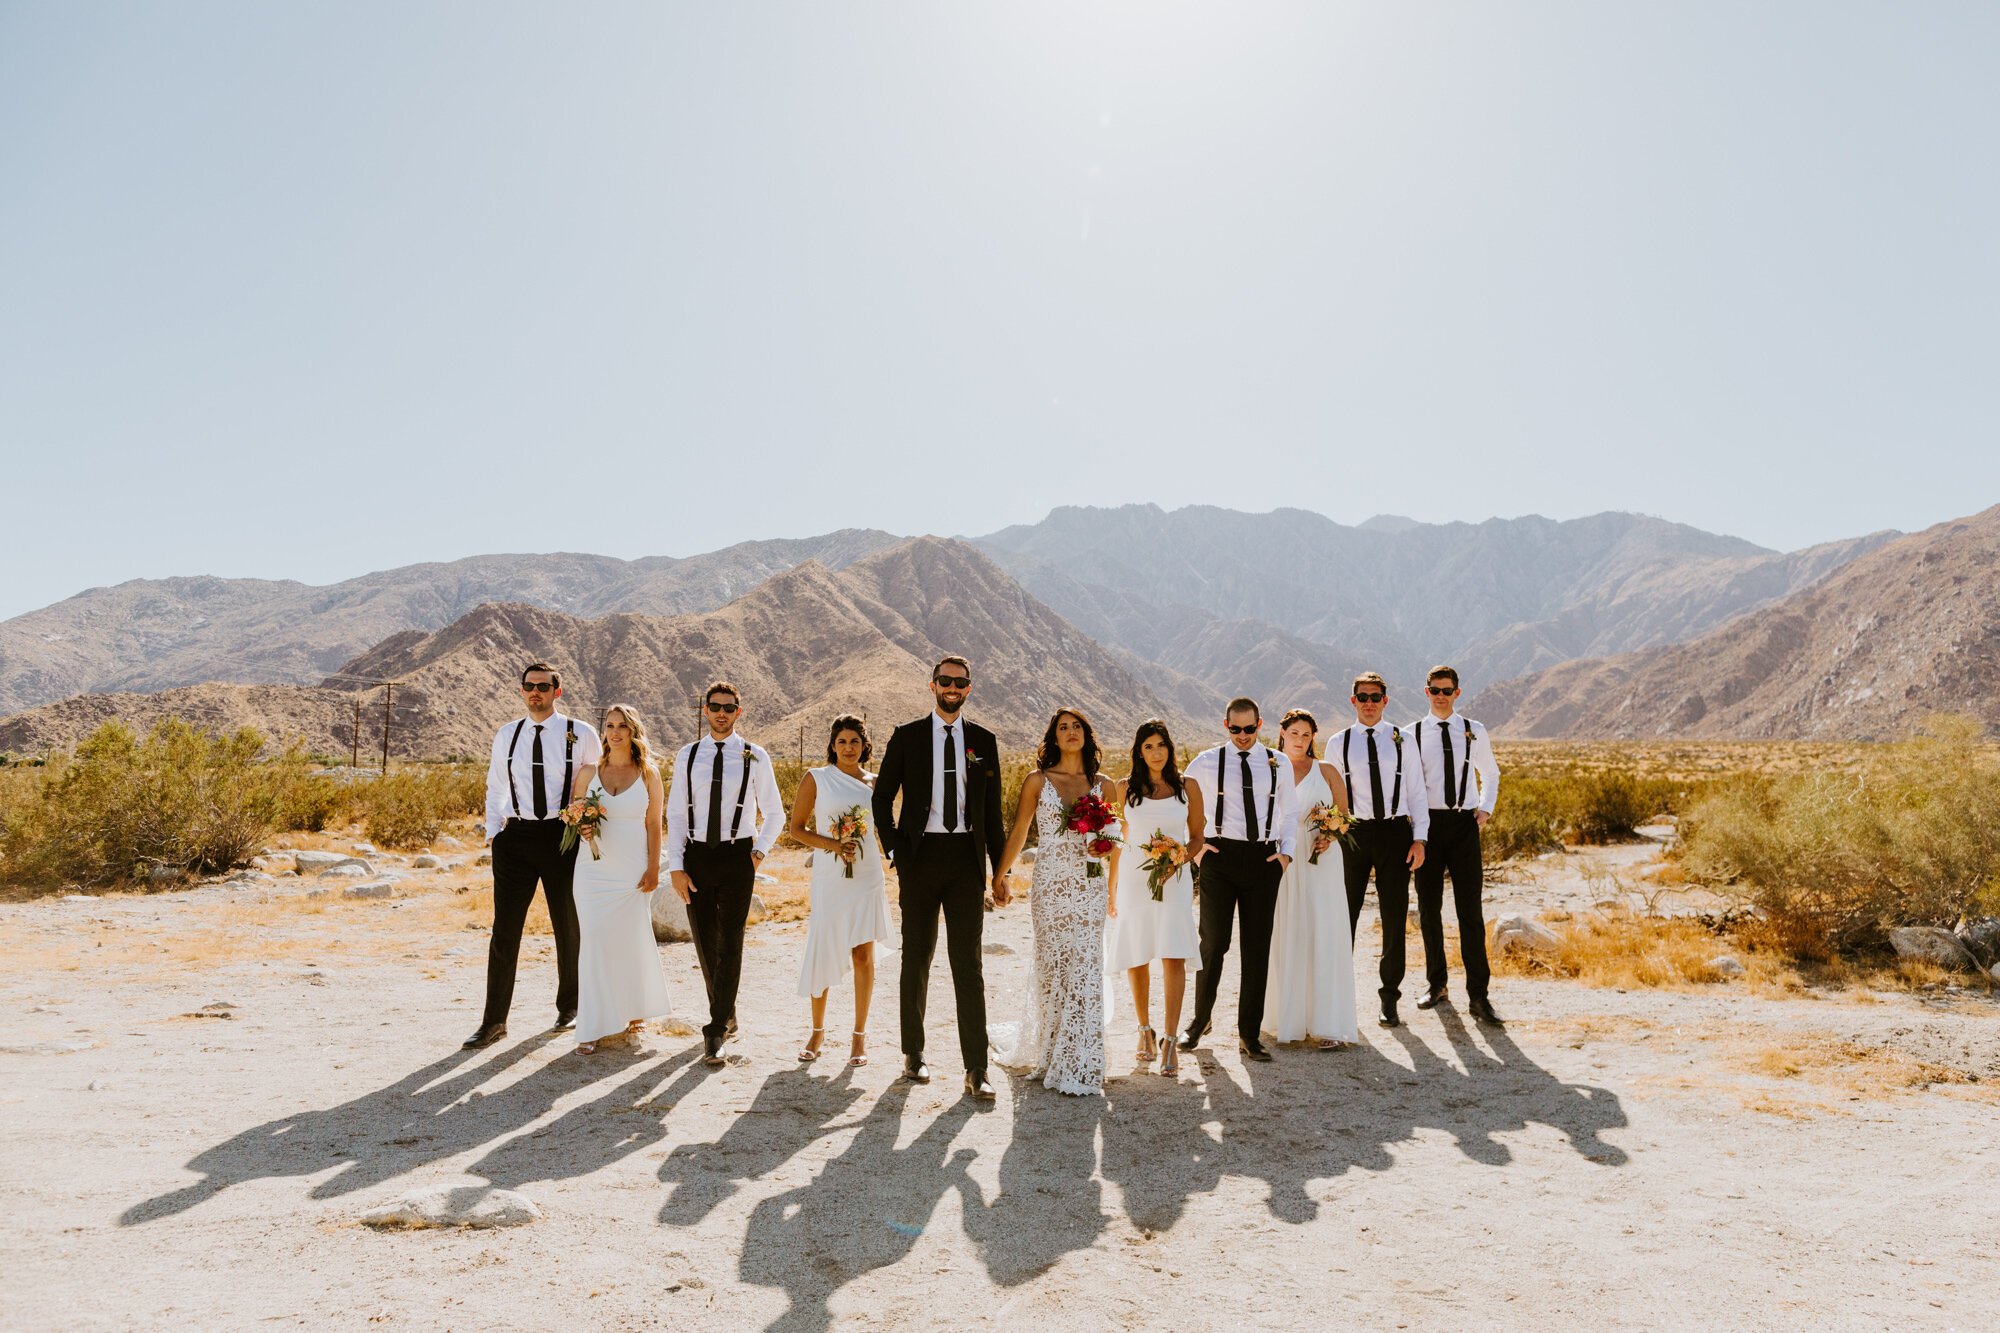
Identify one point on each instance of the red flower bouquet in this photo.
(1092, 818)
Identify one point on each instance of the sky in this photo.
(308, 290)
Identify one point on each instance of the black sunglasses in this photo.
(1442, 689)
(1370, 698)
(715, 707)
(1235, 730)
(954, 682)
(538, 686)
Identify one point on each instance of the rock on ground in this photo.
(348, 870)
(427, 862)
(1982, 937)
(379, 889)
(307, 862)
(1933, 944)
(1725, 966)
(670, 917)
(1520, 932)
(463, 1206)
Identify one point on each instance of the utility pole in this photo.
(802, 743)
(354, 760)
(388, 700)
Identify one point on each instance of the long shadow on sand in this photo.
(427, 1116)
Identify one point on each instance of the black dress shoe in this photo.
(1192, 1040)
(1253, 1051)
(1388, 1018)
(565, 1020)
(916, 1071)
(1432, 998)
(711, 1052)
(1482, 1009)
(488, 1034)
(977, 1086)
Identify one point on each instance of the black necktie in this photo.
(1375, 778)
(950, 813)
(541, 792)
(715, 797)
(1450, 785)
(1249, 807)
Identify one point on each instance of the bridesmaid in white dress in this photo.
(849, 912)
(1062, 1035)
(1155, 799)
(1311, 989)
(620, 984)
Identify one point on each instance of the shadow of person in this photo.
(865, 1210)
(1157, 1147)
(425, 1116)
(789, 1112)
(1050, 1199)
(1579, 1111)
(594, 1134)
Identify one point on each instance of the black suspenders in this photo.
(569, 755)
(1270, 802)
(1465, 764)
(1347, 774)
(742, 791)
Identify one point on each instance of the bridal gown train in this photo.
(1311, 987)
(618, 965)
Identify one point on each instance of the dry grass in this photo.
(1853, 1067)
(1624, 949)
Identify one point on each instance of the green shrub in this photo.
(123, 807)
(411, 806)
(1833, 859)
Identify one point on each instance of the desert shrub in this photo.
(1547, 807)
(411, 806)
(123, 806)
(1833, 859)
(308, 801)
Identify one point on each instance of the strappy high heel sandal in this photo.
(859, 1058)
(586, 1048)
(808, 1054)
(1149, 1045)
(1170, 1060)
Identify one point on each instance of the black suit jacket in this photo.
(906, 772)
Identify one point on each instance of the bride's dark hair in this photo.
(1051, 753)
(1139, 781)
(849, 722)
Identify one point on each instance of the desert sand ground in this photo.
(201, 1091)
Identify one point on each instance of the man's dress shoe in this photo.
(486, 1036)
(977, 1086)
(1482, 1009)
(1388, 1018)
(1431, 999)
(565, 1020)
(916, 1071)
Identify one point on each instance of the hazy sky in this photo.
(305, 290)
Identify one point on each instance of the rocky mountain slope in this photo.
(155, 634)
(804, 645)
(1909, 629)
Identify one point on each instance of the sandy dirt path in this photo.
(1713, 1158)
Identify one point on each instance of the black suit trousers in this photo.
(1382, 848)
(528, 852)
(1237, 881)
(1453, 849)
(723, 875)
(942, 872)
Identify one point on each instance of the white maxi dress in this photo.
(617, 964)
(1311, 985)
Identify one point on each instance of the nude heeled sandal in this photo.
(808, 1054)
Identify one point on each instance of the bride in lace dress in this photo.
(1062, 1032)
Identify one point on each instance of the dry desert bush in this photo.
(410, 807)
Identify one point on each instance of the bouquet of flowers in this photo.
(583, 819)
(849, 826)
(1164, 857)
(1091, 817)
(1328, 821)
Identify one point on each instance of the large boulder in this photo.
(670, 915)
(465, 1206)
(350, 869)
(1524, 933)
(1933, 944)
(311, 862)
(1982, 937)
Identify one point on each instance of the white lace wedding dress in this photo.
(1062, 1034)
(617, 964)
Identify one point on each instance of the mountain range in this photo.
(1127, 611)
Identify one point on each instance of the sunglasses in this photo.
(953, 682)
(1442, 689)
(538, 686)
(1370, 698)
(1235, 730)
(715, 707)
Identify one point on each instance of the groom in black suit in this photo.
(946, 771)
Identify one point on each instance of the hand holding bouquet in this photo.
(1091, 817)
(850, 826)
(581, 820)
(1164, 857)
(1329, 824)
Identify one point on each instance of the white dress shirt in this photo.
(1347, 751)
(1273, 796)
(1483, 768)
(942, 820)
(763, 809)
(505, 800)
